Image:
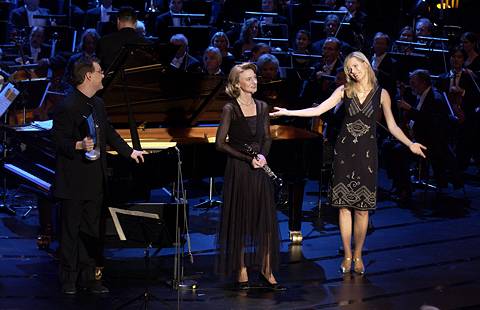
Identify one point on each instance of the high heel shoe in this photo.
(242, 286)
(358, 269)
(272, 286)
(346, 265)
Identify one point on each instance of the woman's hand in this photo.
(278, 112)
(416, 148)
(259, 161)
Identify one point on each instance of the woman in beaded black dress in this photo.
(248, 234)
(354, 186)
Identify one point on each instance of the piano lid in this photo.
(142, 75)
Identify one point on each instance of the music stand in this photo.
(32, 94)
(7, 96)
(146, 228)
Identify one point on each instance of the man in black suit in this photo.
(384, 66)
(183, 61)
(101, 18)
(429, 122)
(22, 17)
(81, 133)
(99, 14)
(165, 20)
(331, 30)
(110, 45)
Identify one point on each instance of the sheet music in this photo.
(36, 126)
(7, 95)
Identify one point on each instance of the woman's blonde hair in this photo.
(232, 89)
(350, 84)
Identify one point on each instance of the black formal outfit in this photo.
(468, 130)
(248, 226)
(431, 127)
(19, 17)
(475, 66)
(80, 183)
(188, 64)
(165, 20)
(345, 48)
(355, 163)
(109, 46)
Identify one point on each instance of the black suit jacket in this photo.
(75, 177)
(431, 121)
(470, 98)
(110, 45)
(163, 21)
(19, 17)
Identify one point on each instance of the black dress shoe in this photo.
(96, 287)
(69, 289)
(242, 286)
(271, 286)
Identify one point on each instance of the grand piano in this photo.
(161, 110)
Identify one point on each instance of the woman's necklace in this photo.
(245, 104)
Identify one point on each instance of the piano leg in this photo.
(295, 204)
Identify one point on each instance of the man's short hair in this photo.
(423, 75)
(127, 14)
(179, 37)
(81, 67)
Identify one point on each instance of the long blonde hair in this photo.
(350, 85)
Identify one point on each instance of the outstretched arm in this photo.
(328, 104)
(416, 148)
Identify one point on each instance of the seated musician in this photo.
(87, 47)
(428, 120)
(165, 20)
(459, 85)
(271, 87)
(212, 61)
(258, 50)
(220, 40)
(302, 45)
(384, 65)
(269, 6)
(22, 17)
(99, 14)
(250, 29)
(37, 51)
(331, 30)
(80, 126)
(268, 68)
(109, 46)
(469, 42)
(317, 87)
(183, 61)
(358, 21)
(406, 35)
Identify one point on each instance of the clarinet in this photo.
(275, 179)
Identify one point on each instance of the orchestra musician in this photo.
(459, 85)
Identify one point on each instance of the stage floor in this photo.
(426, 252)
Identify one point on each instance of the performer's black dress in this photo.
(248, 222)
(355, 164)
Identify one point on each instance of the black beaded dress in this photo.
(248, 229)
(355, 165)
